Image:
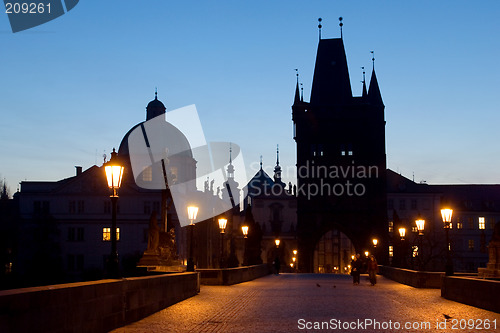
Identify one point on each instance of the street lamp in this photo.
(277, 242)
(420, 227)
(192, 212)
(222, 227)
(244, 230)
(402, 233)
(446, 214)
(375, 242)
(367, 253)
(114, 174)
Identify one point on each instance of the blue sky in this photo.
(70, 89)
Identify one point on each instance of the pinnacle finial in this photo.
(320, 26)
(301, 92)
(341, 25)
(373, 58)
(277, 154)
(297, 74)
(261, 162)
(230, 153)
(156, 92)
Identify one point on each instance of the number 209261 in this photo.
(27, 8)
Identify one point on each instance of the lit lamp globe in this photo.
(222, 225)
(375, 242)
(446, 214)
(402, 233)
(114, 173)
(277, 242)
(244, 230)
(420, 226)
(192, 213)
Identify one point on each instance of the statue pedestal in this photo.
(492, 269)
(163, 258)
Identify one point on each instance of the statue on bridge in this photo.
(492, 269)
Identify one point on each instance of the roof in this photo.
(331, 83)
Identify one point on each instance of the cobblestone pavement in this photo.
(295, 302)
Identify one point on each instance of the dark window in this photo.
(414, 204)
(72, 207)
(71, 262)
(81, 206)
(390, 204)
(79, 262)
(402, 204)
(71, 234)
(156, 206)
(147, 207)
(80, 234)
(107, 207)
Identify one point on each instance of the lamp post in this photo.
(244, 230)
(420, 227)
(402, 255)
(446, 214)
(222, 227)
(114, 174)
(192, 212)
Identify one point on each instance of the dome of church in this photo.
(162, 139)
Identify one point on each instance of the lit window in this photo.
(414, 229)
(391, 251)
(471, 245)
(481, 223)
(460, 225)
(106, 234)
(342, 150)
(391, 226)
(147, 174)
(349, 150)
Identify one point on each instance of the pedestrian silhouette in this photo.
(277, 264)
(372, 267)
(356, 265)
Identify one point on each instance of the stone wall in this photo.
(417, 279)
(480, 293)
(97, 306)
(229, 276)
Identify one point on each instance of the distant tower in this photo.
(277, 169)
(341, 158)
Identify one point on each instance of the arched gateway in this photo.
(341, 159)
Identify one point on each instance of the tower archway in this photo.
(333, 252)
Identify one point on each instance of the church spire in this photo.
(297, 92)
(364, 94)
(374, 91)
(277, 168)
(230, 167)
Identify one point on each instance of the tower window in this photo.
(342, 150)
(349, 150)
